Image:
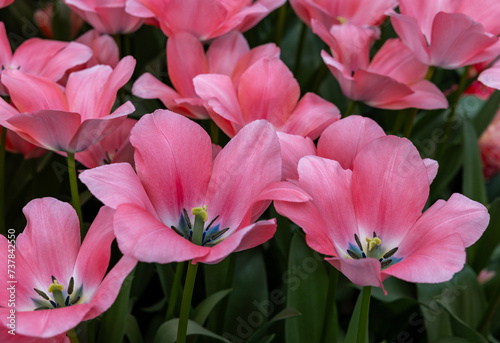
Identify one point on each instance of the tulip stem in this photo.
(186, 302)
(75, 196)
(214, 132)
(363, 316)
(281, 24)
(410, 122)
(3, 142)
(300, 47)
(330, 304)
(73, 338)
(172, 300)
(350, 108)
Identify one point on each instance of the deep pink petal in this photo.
(243, 239)
(116, 184)
(186, 59)
(241, 171)
(52, 130)
(51, 240)
(225, 52)
(5, 49)
(343, 140)
(7, 111)
(173, 158)
(425, 96)
(31, 93)
(408, 30)
(262, 51)
(72, 55)
(143, 237)
(362, 272)
(311, 116)
(390, 205)
(293, 148)
(93, 257)
(267, 90)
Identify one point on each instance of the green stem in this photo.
(490, 312)
(186, 302)
(73, 338)
(398, 123)
(350, 108)
(281, 24)
(172, 300)
(330, 303)
(300, 47)
(430, 72)
(363, 316)
(409, 123)
(320, 75)
(3, 134)
(73, 183)
(214, 132)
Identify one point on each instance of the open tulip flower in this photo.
(177, 180)
(205, 19)
(106, 16)
(394, 79)
(43, 57)
(228, 55)
(369, 220)
(449, 34)
(60, 282)
(69, 120)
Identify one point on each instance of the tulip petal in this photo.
(409, 32)
(72, 55)
(343, 140)
(225, 52)
(362, 272)
(293, 148)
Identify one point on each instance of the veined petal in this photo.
(425, 96)
(343, 140)
(7, 111)
(362, 272)
(225, 52)
(173, 158)
(269, 50)
(391, 205)
(408, 30)
(293, 148)
(72, 55)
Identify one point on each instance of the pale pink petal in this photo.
(362, 272)
(243, 239)
(432, 168)
(106, 51)
(108, 290)
(241, 171)
(267, 90)
(486, 14)
(7, 111)
(51, 130)
(311, 116)
(139, 9)
(408, 30)
(72, 55)
(293, 148)
(262, 51)
(225, 52)
(344, 139)
(173, 158)
(390, 205)
(186, 59)
(116, 184)
(31, 93)
(35, 53)
(425, 96)
(454, 48)
(143, 237)
(48, 218)
(93, 257)
(491, 76)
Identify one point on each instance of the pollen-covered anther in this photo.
(373, 242)
(200, 211)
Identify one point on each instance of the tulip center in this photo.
(341, 20)
(374, 249)
(197, 232)
(60, 297)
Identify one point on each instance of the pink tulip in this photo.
(104, 48)
(266, 90)
(491, 77)
(113, 148)
(176, 177)
(43, 19)
(42, 57)
(17, 145)
(106, 16)
(5, 3)
(205, 19)
(489, 146)
(69, 120)
(229, 55)
(394, 79)
(370, 221)
(449, 34)
(59, 282)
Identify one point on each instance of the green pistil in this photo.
(200, 217)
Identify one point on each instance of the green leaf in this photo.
(472, 181)
(132, 331)
(112, 328)
(307, 288)
(484, 248)
(487, 112)
(167, 333)
(202, 311)
(286, 313)
(453, 340)
(461, 329)
(352, 329)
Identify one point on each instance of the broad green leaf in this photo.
(202, 311)
(487, 112)
(286, 313)
(489, 240)
(453, 340)
(307, 286)
(132, 330)
(167, 333)
(352, 329)
(112, 328)
(461, 329)
(472, 181)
